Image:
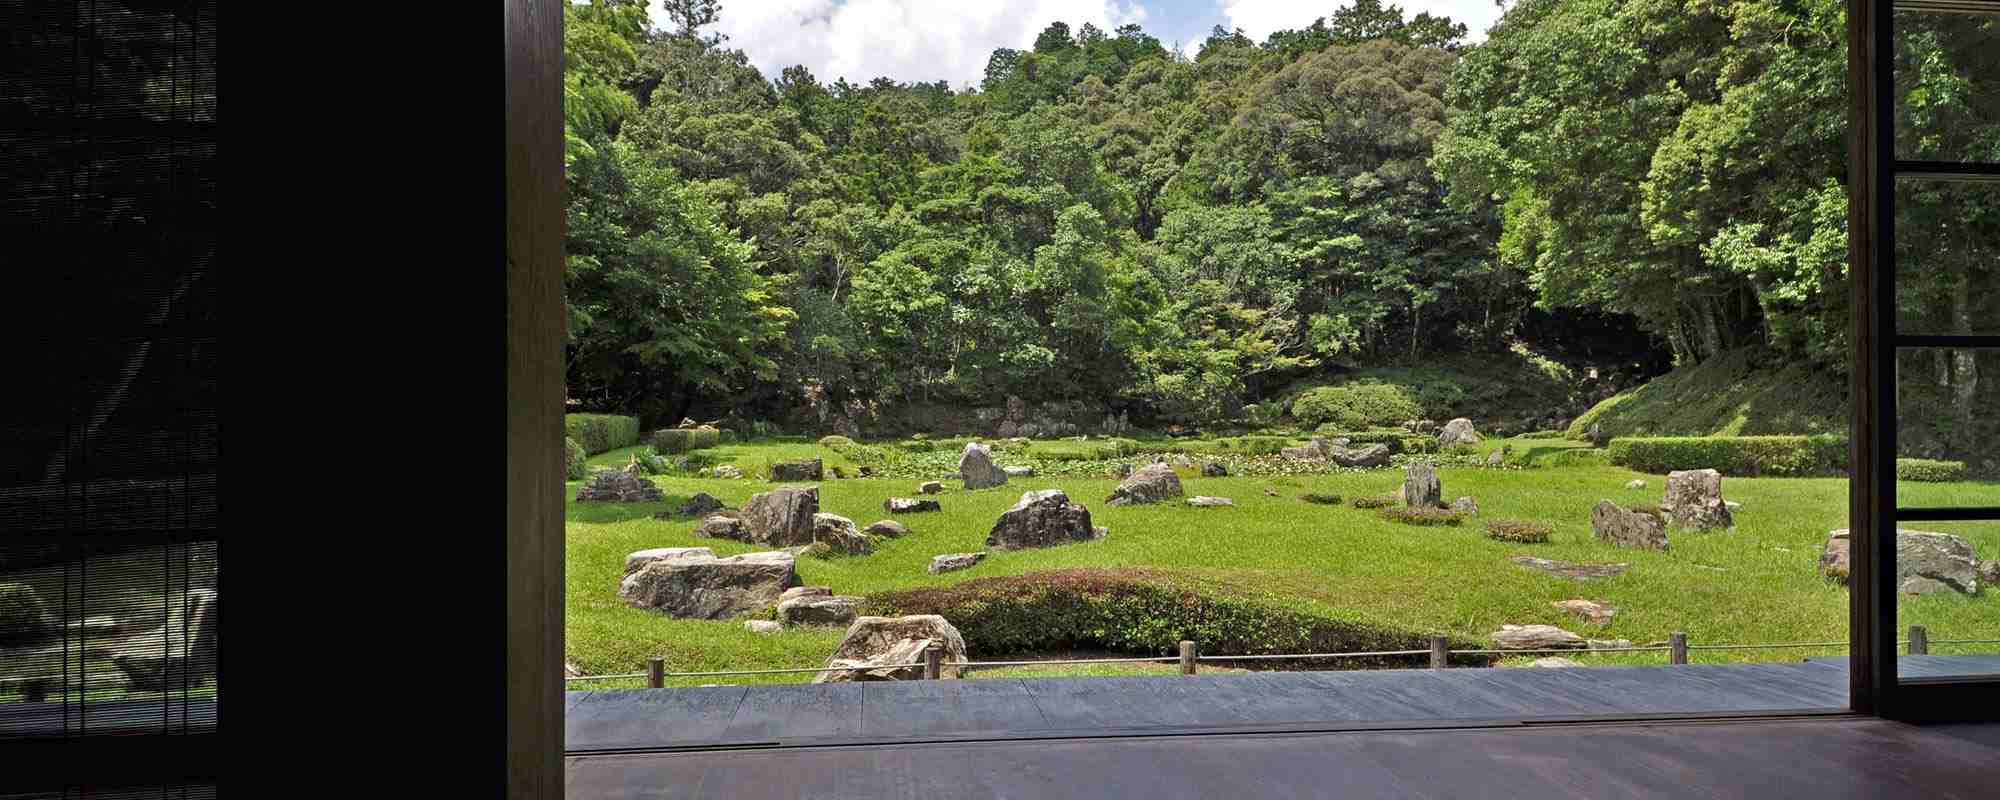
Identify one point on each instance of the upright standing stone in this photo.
(782, 517)
(976, 468)
(1624, 527)
(1694, 500)
(1421, 487)
(840, 535)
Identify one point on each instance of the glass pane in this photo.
(1947, 87)
(1947, 419)
(1947, 257)
(1946, 574)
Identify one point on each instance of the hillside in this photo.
(1739, 393)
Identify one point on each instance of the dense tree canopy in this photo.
(1105, 219)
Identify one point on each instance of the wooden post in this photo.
(1920, 641)
(656, 673)
(1187, 658)
(1440, 652)
(1679, 641)
(933, 662)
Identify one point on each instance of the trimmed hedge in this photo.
(1134, 611)
(1515, 530)
(601, 433)
(681, 440)
(1399, 441)
(1929, 471)
(574, 466)
(1736, 456)
(1420, 515)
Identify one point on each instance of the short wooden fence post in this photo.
(933, 662)
(1679, 642)
(656, 669)
(1440, 652)
(1187, 658)
(1920, 641)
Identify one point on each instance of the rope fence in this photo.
(1677, 646)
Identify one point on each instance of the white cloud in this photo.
(1260, 18)
(908, 40)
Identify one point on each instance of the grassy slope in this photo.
(1335, 561)
(1741, 393)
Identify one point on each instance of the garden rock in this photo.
(1636, 484)
(818, 610)
(1989, 572)
(1694, 500)
(1421, 487)
(1203, 501)
(805, 591)
(723, 526)
(975, 467)
(1494, 458)
(701, 504)
(1926, 562)
(782, 517)
(706, 587)
(638, 560)
(1610, 644)
(1596, 612)
(1042, 519)
(1150, 484)
(887, 528)
(951, 562)
(839, 534)
(1623, 527)
(1570, 569)
(179, 654)
(1536, 637)
(1465, 505)
(1372, 456)
(1214, 469)
(1556, 662)
(872, 641)
(619, 487)
(795, 471)
(907, 505)
(1019, 472)
(762, 626)
(1456, 432)
(727, 471)
(930, 487)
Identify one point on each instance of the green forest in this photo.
(1626, 184)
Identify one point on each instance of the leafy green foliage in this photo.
(1375, 501)
(1929, 470)
(682, 440)
(599, 433)
(23, 616)
(1743, 392)
(1734, 455)
(574, 467)
(1515, 530)
(1321, 498)
(1126, 610)
(1355, 406)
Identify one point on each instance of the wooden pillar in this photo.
(656, 669)
(1440, 652)
(1920, 641)
(934, 662)
(1679, 642)
(1188, 655)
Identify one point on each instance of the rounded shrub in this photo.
(23, 617)
(1321, 498)
(1420, 515)
(835, 442)
(574, 466)
(1356, 405)
(1516, 530)
(1927, 470)
(1375, 501)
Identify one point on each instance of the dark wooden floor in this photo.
(1821, 759)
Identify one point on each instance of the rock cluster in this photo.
(619, 486)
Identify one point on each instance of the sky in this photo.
(930, 40)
